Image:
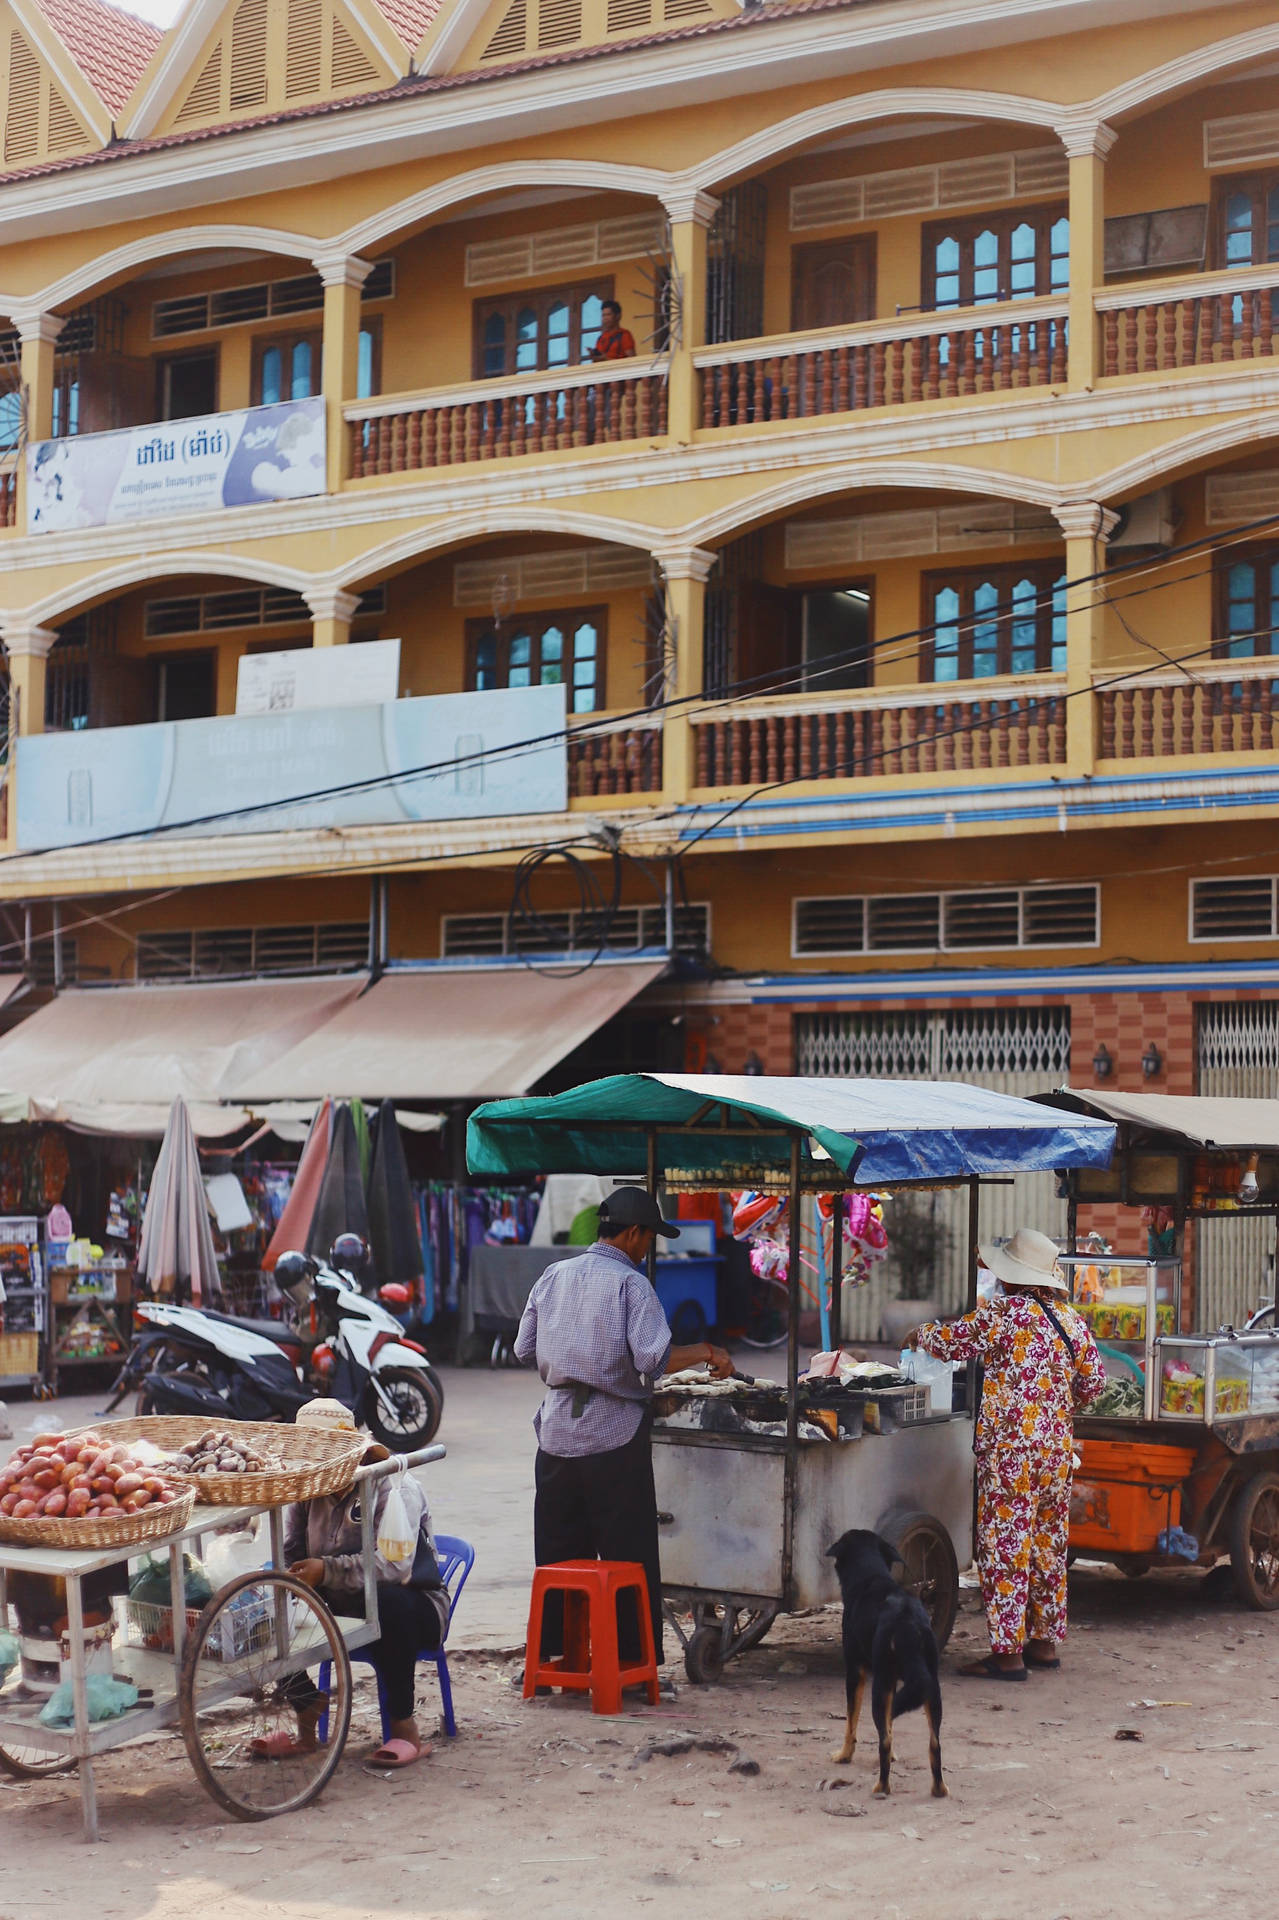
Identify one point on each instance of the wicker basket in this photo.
(315, 1462)
(102, 1530)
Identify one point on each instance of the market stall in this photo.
(1180, 1456)
(751, 1503)
(132, 1656)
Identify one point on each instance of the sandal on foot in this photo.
(989, 1669)
(277, 1746)
(1045, 1666)
(396, 1754)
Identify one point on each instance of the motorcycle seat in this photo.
(268, 1329)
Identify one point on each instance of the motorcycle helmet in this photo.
(351, 1254)
(293, 1273)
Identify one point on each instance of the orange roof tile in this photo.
(110, 47)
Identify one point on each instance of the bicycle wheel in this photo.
(767, 1313)
(32, 1763)
(257, 1644)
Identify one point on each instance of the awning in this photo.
(1232, 1125)
(446, 1034)
(721, 1125)
(114, 1047)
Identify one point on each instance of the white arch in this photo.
(1163, 463)
(482, 523)
(835, 115)
(502, 177)
(158, 246)
(143, 569)
(1177, 76)
(801, 490)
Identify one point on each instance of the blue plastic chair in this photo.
(456, 1558)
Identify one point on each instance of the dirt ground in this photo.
(543, 1809)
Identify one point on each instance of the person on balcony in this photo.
(615, 342)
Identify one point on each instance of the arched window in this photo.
(1011, 256)
(989, 621)
(523, 333)
(1246, 619)
(301, 386)
(1247, 220)
(271, 377)
(542, 650)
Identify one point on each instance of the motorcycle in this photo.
(226, 1366)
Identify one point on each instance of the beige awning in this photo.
(1203, 1120)
(444, 1034)
(138, 1047)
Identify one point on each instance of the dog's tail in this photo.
(918, 1672)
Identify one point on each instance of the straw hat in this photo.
(1029, 1259)
(330, 1416)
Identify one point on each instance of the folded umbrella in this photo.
(393, 1229)
(175, 1250)
(340, 1206)
(294, 1224)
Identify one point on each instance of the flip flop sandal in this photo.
(396, 1754)
(277, 1746)
(989, 1669)
(1043, 1666)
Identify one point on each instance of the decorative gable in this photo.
(516, 29)
(40, 122)
(269, 54)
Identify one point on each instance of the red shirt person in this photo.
(615, 341)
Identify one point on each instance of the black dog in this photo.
(887, 1635)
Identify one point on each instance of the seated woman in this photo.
(322, 1546)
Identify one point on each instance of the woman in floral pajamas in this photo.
(1041, 1364)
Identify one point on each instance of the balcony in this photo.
(534, 413)
(1222, 707)
(1202, 320)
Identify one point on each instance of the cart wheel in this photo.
(32, 1763)
(931, 1570)
(259, 1641)
(754, 1628)
(1135, 1567)
(1254, 1543)
(704, 1656)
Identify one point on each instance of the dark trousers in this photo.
(410, 1624)
(600, 1506)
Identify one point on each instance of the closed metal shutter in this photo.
(1238, 1053)
(1014, 1050)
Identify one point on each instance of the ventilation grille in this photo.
(511, 33)
(1240, 908)
(979, 921)
(22, 110)
(248, 56)
(40, 972)
(205, 98)
(687, 10)
(628, 16)
(492, 936)
(1023, 1049)
(526, 578)
(267, 300)
(559, 23)
(222, 952)
(891, 536)
(65, 130)
(1232, 499)
(243, 607)
(556, 249)
(351, 69)
(305, 48)
(953, 183)
(1244, 140)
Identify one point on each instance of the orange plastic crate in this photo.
(1125, 1493)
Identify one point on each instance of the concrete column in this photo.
(1087, 144)
(332, 612)
(27, 648)
(686, 572)
(1087, 528)
(690, 215)
(343, 276)
(39, 334)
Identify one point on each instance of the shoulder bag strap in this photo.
(1066, 1340)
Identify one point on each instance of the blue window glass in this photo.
(11, 420)
(558, 340)
(592, 322)
(300, 387)
(525, 340)
(520, 658)
(364, 365)
(485, 663)
(493, 346)
(585, 668)
(946, 634)
(946, 272)
(985, 630)
(1059, 625)
(272, 376)
(1237, 223)
(1024, 596)
(1059, 256)
(552, 674)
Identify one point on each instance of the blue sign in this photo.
(179, 466)
(456, 756)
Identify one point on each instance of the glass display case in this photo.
(1214, 1377)
(1128, 1304)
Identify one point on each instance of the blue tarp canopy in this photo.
(726, 1128)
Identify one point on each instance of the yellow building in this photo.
(890, 630)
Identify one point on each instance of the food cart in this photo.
(217, 1671)
(1180, 1457)
(747, 1516)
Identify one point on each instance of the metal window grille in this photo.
(1237, 1043)
(1242, 907)
(270, 299)
(210, 953)
(487, 936)
(947, 923)
(735, 263)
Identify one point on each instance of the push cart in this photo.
(225, 1673)
(747, 1517)
(1180, 1459)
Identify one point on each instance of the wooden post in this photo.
(1087, 143)
(343, 276)
(1087, 528)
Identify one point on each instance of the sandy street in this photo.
(542, 1809)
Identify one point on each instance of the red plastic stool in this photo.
(590, 1661)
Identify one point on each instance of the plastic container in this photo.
(937, 1375)
(686, 1290)
(1125, 1493)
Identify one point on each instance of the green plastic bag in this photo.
(9, 1655)
(108, 1699)
(151, 1582)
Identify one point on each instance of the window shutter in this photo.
(65, 130)
(22, 113)
(1233, 909)
(304, 48)
(628, 16)
(351, 70)
(248, 55)
(511, 34)
(205, 97)
(687, 9)
(559, 23)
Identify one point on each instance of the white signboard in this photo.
(364, 675)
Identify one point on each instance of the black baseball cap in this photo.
(633, 1207)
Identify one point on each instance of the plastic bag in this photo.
(108, 1699)
(9, 1655)
(237, 1550)
(151, 1582)
(396, 1535)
